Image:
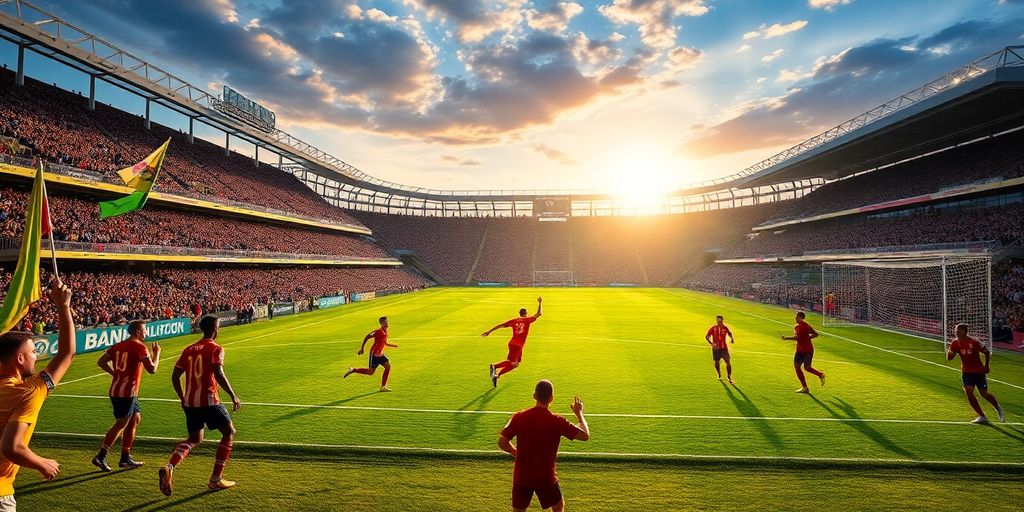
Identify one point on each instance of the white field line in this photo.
(577, 454)
(851, 340)
(274, 333)
(592, 415)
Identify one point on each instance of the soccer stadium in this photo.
(176, 197)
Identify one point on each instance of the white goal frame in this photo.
(924, 296)
(565, 278)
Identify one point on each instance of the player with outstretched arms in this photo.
(520, 330)
(973, 371)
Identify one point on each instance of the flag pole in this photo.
(53, 248)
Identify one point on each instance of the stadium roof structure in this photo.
(789, 174)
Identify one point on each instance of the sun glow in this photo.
(642, 175)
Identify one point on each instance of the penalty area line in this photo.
(591, 415)
(580, 454)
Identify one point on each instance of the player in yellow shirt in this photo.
(22, 392)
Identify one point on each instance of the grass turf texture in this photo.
(637, 358)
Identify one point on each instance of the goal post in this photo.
(928, 296)
(554, 278)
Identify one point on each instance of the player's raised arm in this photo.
(222, 379)
(577, 409)
(492, 329)
(152, 362)
(60, 296)
(540, 301)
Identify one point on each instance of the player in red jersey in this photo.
(830, 304)
(129, 357)
(719, 350)
(973, 371)
(803, 334)
(377, 357)
(520, 330)
(202, 364)
(538, 432)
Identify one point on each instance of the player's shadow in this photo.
(466, 426)
(747, 408)
(60, 483)
(182, 501)
(300, 412)
(1012, 433)
(844, 410)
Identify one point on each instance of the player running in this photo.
(973, 372)
(128, 358)
(538, 432)
(719, 350)
(803, 334)
(23, 391)
(202, 364)
(377, 357)
(520, 330)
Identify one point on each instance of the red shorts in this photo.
(548, 497)
(515, 354)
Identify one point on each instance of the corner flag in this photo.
(142, 176)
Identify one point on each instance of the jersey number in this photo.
(121, 361)
(195, 365)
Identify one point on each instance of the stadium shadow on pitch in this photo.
(175, 503)
(747, 408)
(300, 412)
(847, 411)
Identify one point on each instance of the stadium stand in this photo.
(56, 125)
(77, 220)
(104, 297)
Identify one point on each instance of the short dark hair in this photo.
(544, 391)
(720, 317)
(381, 319)
(136, 324)
(11, 341)
(800, 314)
(522, 311)
(208, 325)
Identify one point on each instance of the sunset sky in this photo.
(515, 94)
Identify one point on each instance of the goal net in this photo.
(554, 278)
(926, 296)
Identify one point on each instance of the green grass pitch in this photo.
(890, 428)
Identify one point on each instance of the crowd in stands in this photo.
(1008, 298)
(598, 250)
(77, 220)
(116, 297)
(761, 282)
(56, 125)
(1002, 224)
(996, 159)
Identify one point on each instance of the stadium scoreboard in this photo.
(236, 105)
(552, 208)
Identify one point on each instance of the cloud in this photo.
(459, 161)
(775, 30)
(743, 48)
(553, 154)
(844, 84)
(655, 18)
(773, 55)
(828, 5)
(474, 19)
(555, 18)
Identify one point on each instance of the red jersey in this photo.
(803, 331)
(198, 360)
(539, 432)
(380, 339)
(717, 334)
(520, 329)
(126, 359)
(830, 303)
(970, 351)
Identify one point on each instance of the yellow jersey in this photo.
(20, 401)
